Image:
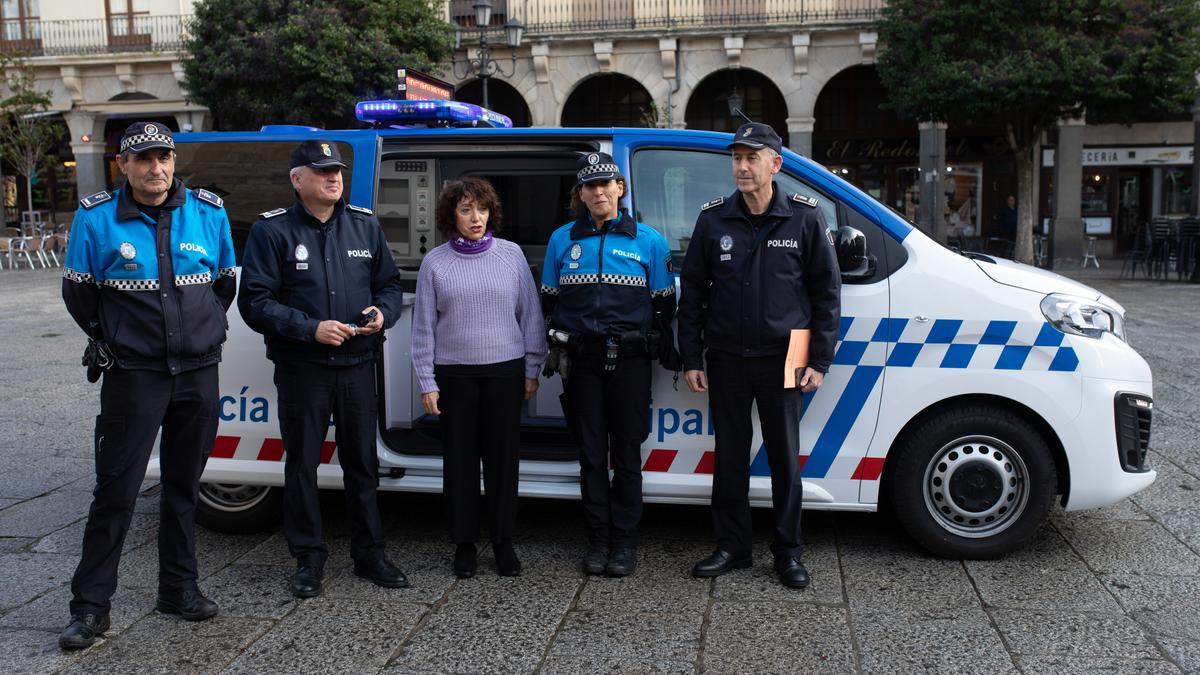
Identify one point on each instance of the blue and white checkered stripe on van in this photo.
(866, 346)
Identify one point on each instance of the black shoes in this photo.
(622, 562)
(791, 572)
(82, 631)
(189, 604)
(464, 561)
(381, 572)
(719, 563)
(306, 582)
(507, 563)
(596, 560)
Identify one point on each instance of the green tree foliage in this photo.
(27, 131)
(1024, 64)
(255, 62)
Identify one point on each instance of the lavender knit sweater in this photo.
(476, 309)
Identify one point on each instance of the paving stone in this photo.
(6, 502)
(490, 624)
(15, 544)
(1044, 574)
(139, 569)
(1073, 634)
(761, 583)
(35, 651)
(895, 575)
(28, 575)
(1156, 602)
(167, 644)
(52, 611)
(588, 635)
(954, 640)
(1118, 546)
(42, 515)
(601, 664)
(252, 591)
(1184, 652)
(35, 478)
(143, 529)
(778, 637)
(1067, 665)
(1172, 489)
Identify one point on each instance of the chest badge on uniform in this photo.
(727, 243)
(576, 252)
(301, 252)
(127, 250)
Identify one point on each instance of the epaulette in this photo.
(272, 213)
(715, 202)
(92, 200)
(206, 196)
(803, 199)
(360, 209)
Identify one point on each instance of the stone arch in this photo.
(708, 106)
(134, 96)
(502, 98)
(608, 99)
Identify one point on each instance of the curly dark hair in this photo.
(476, 189)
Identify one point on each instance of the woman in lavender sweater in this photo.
(478, 343)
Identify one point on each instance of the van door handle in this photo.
(921, 319)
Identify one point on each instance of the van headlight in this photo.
(1082, 316)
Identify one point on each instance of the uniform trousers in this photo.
(481, 421)
(734, 383)
(308, 394)
(611, 410)
(134, 404)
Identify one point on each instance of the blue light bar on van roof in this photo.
(425, 112)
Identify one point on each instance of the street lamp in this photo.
(485, 66)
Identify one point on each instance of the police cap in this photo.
(317, 154)
(143, 136)
(756, 135)
(596, 166)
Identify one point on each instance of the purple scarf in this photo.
(464, 245)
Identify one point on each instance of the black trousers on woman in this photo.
(481, 421)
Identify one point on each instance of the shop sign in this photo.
(852, 150)
(1169, 155)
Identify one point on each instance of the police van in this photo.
(967, 392)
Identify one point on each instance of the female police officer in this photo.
(605, 278)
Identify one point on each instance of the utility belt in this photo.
(565, 347)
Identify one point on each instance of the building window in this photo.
(1177, 191)
(127, 22)
(22, 29)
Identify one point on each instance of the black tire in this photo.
(239, 509)
(972, 482)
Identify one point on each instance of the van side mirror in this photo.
(853, 259)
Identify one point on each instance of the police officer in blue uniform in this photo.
(148, 275)
(606, 283)
(319, 282)
(759, 265)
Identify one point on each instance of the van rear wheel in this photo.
(973, 482)
(239, 509)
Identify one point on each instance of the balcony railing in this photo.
(144, 33)
(548, 17)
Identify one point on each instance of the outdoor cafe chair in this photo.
(1189, 248)
(1139, 254)
(1163, 251)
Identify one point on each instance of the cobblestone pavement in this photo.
(1115, 590)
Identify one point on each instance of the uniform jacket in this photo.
(743, 291)
(298, 271)
(607, 282)
(156, 292)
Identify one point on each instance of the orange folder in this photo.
(797, 356)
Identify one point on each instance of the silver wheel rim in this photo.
(976, 486)
(232, 498)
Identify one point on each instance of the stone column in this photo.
(1067, 224)
(931, 214)
(89, 155)
(194, 120)
(800, 135)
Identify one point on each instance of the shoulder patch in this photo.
(715, 202)
(92, 200)
(360, 209)
(206, 196)
(802, 199)
(272, 213)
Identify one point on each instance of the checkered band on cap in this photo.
(594, 169)
(139, 139)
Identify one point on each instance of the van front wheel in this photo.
(973, 482)
(239, 509)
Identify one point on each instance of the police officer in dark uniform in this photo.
(319, 283)
(148, 275)
(759, 265)
(605, 281)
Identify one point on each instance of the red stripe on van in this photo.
(801, 460)
(660, 460)
(327, 449)
(707, 461)
(225, 446)
(271, 450)
(869, 468)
